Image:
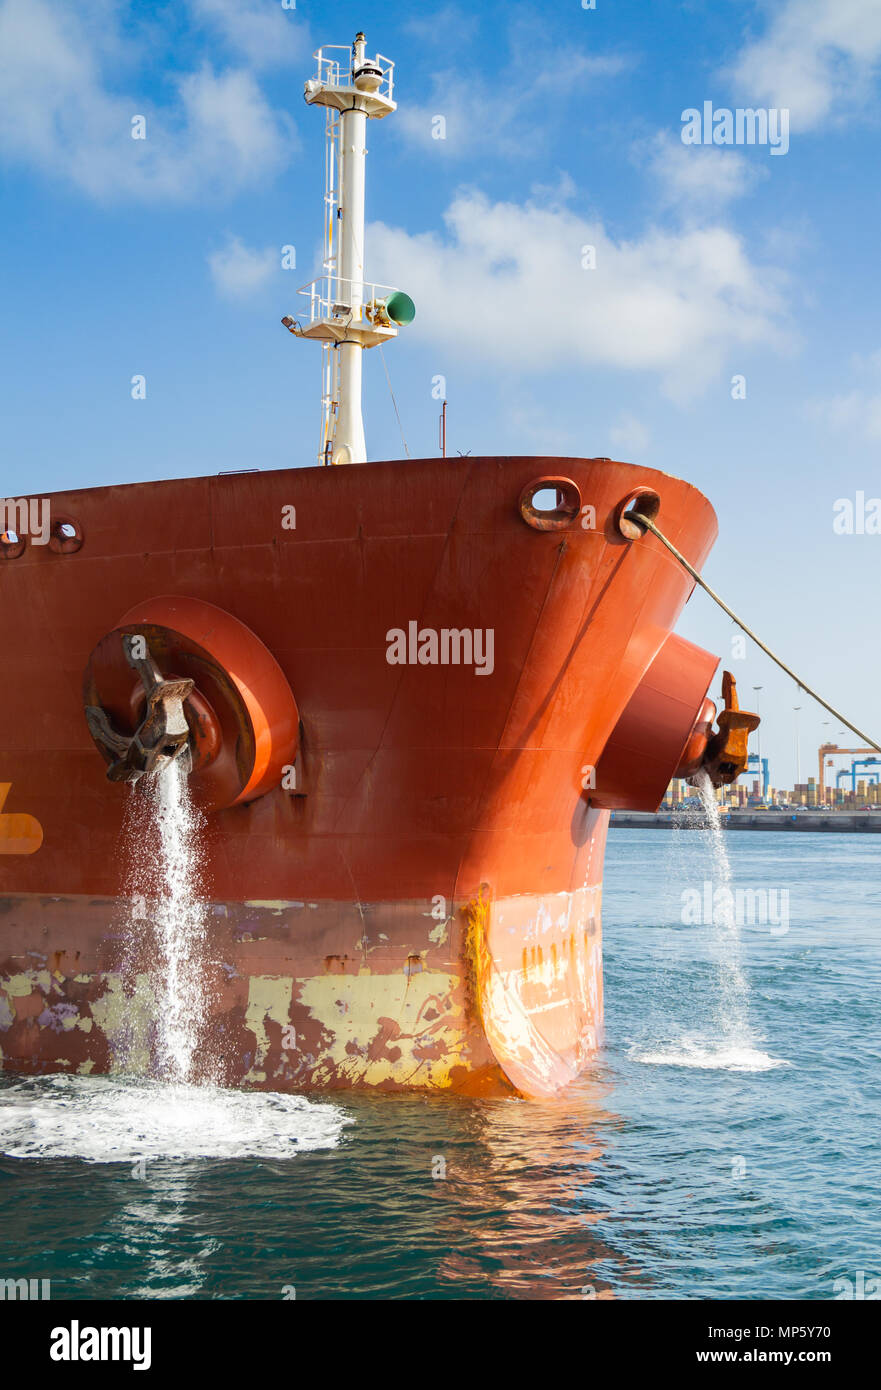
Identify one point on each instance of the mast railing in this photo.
(336, 71)
(334, 297)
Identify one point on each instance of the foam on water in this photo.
(120, 1120)
(697, 1053)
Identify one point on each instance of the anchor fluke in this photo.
(163, 734)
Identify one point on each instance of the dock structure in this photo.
(835, 822)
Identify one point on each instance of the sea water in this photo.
(653, 1176)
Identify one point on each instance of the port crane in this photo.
(763, 763)
(823, 752)
(851, 772)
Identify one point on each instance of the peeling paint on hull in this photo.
(509, 999)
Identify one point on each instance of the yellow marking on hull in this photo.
(19, 832)
(272, 904)
(21, 985)
(119, 1015)
(269, 996)
(351, 1009)
(439, 934)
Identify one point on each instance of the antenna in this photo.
(346, 314)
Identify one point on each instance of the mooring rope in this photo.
(649, 525)
(394, 402)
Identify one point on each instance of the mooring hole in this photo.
(550, 504)
(65, 536)
(642, 500)
(547, 499)
(11, 545)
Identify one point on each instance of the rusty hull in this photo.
(408, 1000)
(420, 785)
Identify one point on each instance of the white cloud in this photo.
(238, 271)
(58, 114)
(506, 115)
(698, 179)
(451, 25)
(258, 30)
(537, 426)
(629, 436)
(506, 287)
(817, 57)
(858, 411)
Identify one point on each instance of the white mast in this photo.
(345, 314)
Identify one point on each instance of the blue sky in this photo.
(563, 129)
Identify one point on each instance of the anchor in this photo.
(725, 757)
(666, 730)
(162, 737)
(209, 693)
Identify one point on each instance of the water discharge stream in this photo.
(181, 924)
(727, 1040)
(732, 1008)
(167, 931)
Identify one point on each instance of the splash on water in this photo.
(697, 1052)
(107, 1119)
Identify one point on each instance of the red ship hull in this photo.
(423, 909)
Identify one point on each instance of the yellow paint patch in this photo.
(19, 986)
(269, 997)
(439, 933)
(19, 833)
(118, 1016)
(351, 1007)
